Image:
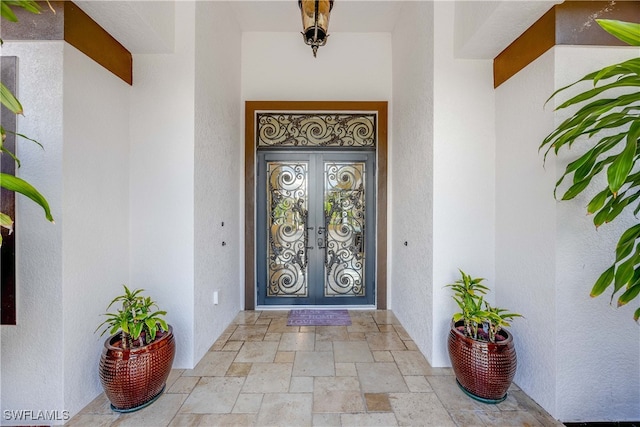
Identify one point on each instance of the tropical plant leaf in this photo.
(13, 183)
(6, 222)
(631, 293)
(628, 32)
(8, 100)
(603, 282)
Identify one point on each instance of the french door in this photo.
(316, 228)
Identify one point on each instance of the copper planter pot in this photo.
(134, 378)
(483, 370)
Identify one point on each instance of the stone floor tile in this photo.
(332, 333)
(323, 345)
(301, 385)
(263, 351)
(410, 345)
(286, 409)
(249, 333)
(185, 420)
(229, 330)
(386, 328)
(263, 321)
(385, 317)
(268, 378)
(357, 336)
(346, 370)
(228, 420)
(272, 336)
(274, 314)
(327, 420)
(213, 395)
(384, 341)
(247, 317)
(280, 325)
(525, 403)
(337, 394)
(417, 384)
(467, 418)
(453, 398)
(173, 376)
(248, 403)
(93, 420)
(159, 414)
(366, 420)
(383, 377)
(422, 409)
(382, 356)
(285, 356)
(314, 364)
(377, 402)
(183, 385)
(238, 370)
(509, 418)
(307, 328)
(232, 346)
(362, 324)
(411, 363)
(213, 364)
(402, 333)
(298, 341)
(98, 406)
(351, 351)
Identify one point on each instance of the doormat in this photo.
(318, 318)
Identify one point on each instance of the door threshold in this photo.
(314, 307)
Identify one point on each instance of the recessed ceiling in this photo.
(484, 28)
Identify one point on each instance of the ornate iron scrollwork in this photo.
(316, 130)
(344, 214)
(287, 235)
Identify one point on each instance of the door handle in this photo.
(320, 242)
(306, 238)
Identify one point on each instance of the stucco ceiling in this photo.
(483, 28)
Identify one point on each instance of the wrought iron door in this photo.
(316, 228)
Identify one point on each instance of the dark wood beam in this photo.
(71, 24)
(568, 23)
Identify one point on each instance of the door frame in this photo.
(251, 108)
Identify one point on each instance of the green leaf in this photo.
(7, 13)
(631, 293)
(9, 101)
(636, 315)
(622, 165)
(13, 183)
(6, 222)
(628, 32)
(626, 242)
(603, 282)
(598, 201)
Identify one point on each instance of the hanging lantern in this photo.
(315, 22)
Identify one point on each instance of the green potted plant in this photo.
(608, 123)
(137, 357)
(482, 352)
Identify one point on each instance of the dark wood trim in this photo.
(250, 173)
(568, 23)
(88, 37)
(71, 24)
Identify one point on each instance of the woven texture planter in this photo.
(133, 378)
(484, 370)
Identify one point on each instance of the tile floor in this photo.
(263, 372)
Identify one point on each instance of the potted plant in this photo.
(482, 352)
(137, 357)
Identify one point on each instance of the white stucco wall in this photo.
(578, 357)
(66, 272)
(218, 177)
(411, 204)
(96, 214)
(463, 174)
(32, 351)
(526, 226)
(162, 179)
(351, 67)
